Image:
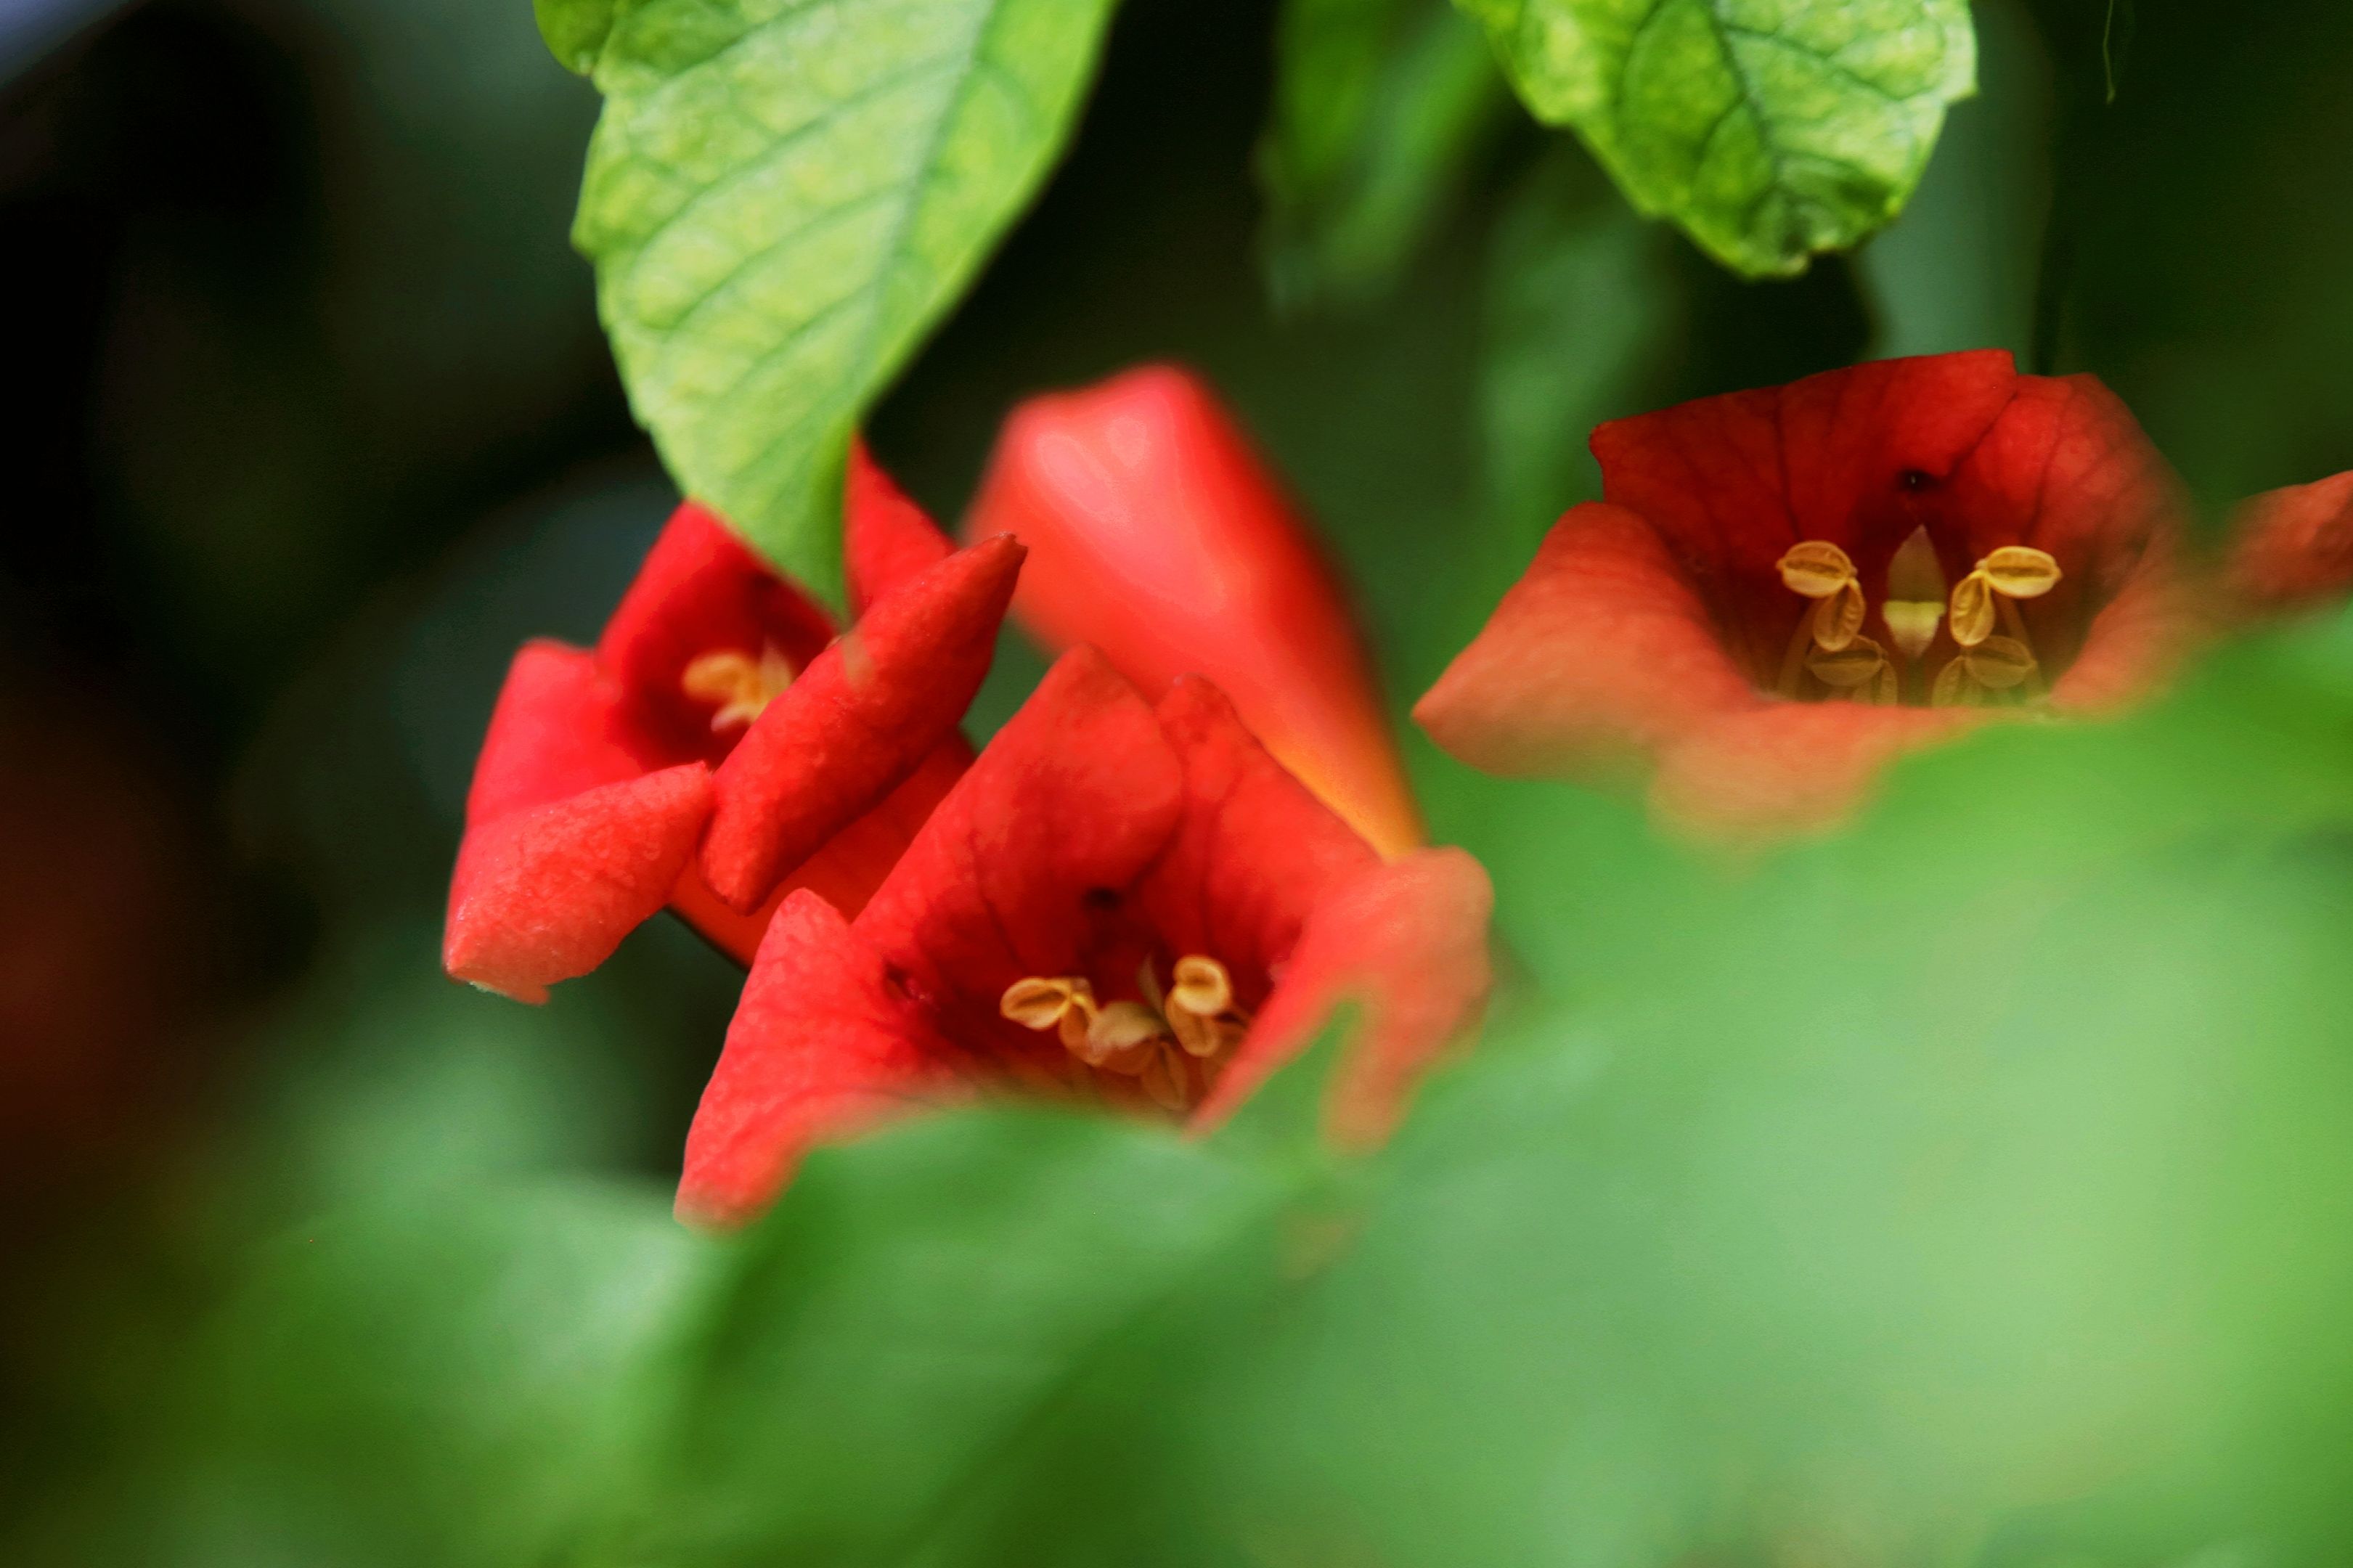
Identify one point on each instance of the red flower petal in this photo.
(1409, 941)
(1598, 656)
(546, 894)
(2066, 470)
(1790, 766)
(2137, 640)
(822, 1045)
(857, 721)
(1254, 852)
(699, 591)
(886, 539)
(1158, 536)
(553, 734)
(1732, 482)
(1026, 858)
(2293, 547)
(844, 873)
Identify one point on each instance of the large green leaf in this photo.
(783, 195)
(1769, 129)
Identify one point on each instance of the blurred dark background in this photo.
(315, 422)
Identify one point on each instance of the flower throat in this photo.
(1992, 657)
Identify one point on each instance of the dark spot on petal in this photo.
(895, 978)
(1915, 480)
(1102, 900)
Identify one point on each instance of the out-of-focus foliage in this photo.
(1968, 1188)
(782, 200)
(1379, 107)
(1770, 129)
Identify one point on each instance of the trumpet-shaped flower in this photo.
(1781, 590)
(720, 744)
(1121, 903)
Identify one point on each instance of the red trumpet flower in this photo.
(719, 739)
(1119, 903)
(1783, 589)
(1157, 536)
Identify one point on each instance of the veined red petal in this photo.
(1157, 535)
(1790, 766)
(546, 893)
(2292, 548)
(822, 1045)
(2138, 639)
(887, 541)
(857, 722)
(1849, 456)
(1598, 657)
(700, 591)
(1254, 851)
(553, 734)
(2066, 470)
(1031, 849)
(1407, 941)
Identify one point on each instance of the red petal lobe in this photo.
(2292, 548)
(1254, 851)
(1409, 942)
(1598, 656)
(857, 722)
(887, 541)
(821, 1047)
(546, 894)
(1159, 536)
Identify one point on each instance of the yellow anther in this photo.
(1064, 1003)
(1171, 1042)
(1822, 571)
(740, 685)
(2013, 572)
(1856, 664)
(1997, 664)
(1861, 670)
(1202, 986)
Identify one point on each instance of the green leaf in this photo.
(783, 196)
(907, 1365)
(1380, 106)
(466, 1381)
(576, 30)
(1769, 129)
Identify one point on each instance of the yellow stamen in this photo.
(1822, 571)
(2014, 571)
(1172, 1042)
(1066, 1003)
(1997, 664)
(1856, 664)
(740, 685)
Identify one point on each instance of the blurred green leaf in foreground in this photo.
(781, 200)
(1770, 130)
(1972, 1188)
